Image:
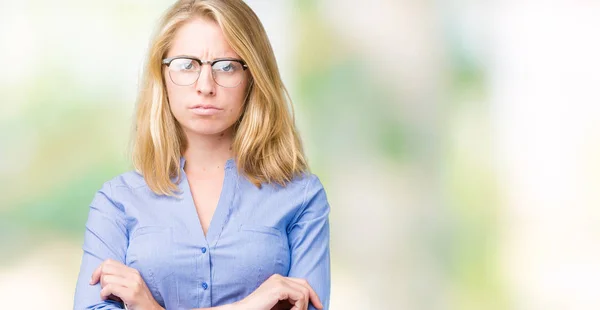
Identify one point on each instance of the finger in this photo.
(116, 290)
(293, 293)
(107, 279)
(96, 275)
(108, 266)
(314, 298)
(286, 292)
(132, 276)
(114, 269)
(305, 295)
(299, 306)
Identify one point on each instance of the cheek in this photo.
(174, 98)
(240, 96)
(236, 106)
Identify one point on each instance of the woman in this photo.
(221, 212)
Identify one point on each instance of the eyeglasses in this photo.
(185, 70)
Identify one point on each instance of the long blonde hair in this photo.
(266, 145)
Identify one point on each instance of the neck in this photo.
(207, 154)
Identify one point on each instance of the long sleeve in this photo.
(105, 237)
(309, 242)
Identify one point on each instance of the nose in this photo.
(205, 83)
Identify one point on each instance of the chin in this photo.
(207, 128)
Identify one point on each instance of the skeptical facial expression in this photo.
(206, 80)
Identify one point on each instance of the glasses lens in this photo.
(228, 73)
(184, 71)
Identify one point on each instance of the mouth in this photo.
(205, 110)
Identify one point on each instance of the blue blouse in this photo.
(254, 233)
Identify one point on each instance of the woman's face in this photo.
(204, 107)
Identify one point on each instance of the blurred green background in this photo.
(458, 142)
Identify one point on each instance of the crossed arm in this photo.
(105, 283)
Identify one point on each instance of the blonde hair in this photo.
(266, 145)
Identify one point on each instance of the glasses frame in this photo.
(167, 62)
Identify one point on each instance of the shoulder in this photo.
(296, 185)
(128, 181)
(313, 203)
(113, 195)
(300, 190)
(314, 192)
(309, 184)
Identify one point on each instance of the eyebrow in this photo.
(212, 60)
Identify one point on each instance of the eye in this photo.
(226, 66)
(184, 64)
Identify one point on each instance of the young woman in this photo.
(221, 211)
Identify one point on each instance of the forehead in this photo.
(202, 38)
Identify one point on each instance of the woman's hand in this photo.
(280, 292)
(125, 283)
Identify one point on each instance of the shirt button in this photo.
(204, 285)
(203, 250)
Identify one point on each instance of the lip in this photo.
(205, 110)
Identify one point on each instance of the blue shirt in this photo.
(254, 233)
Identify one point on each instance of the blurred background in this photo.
(458, 141)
